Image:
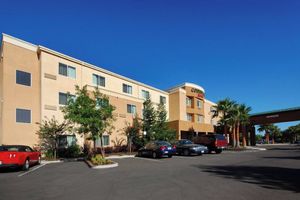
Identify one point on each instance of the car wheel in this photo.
(139, 154)
(26, 165)
(186, 152)
(170, 156)
(218, 151)
(39, 160)
(154, 154)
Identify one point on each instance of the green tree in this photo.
(92, 114)
(49, 132)
(292, 133)
(149, 119)
(133, 133)
(270, 130)
(161, 128)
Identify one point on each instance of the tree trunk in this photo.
(226, 132)
(102, 148)
(233, 136)
(238, 135)
(267, 137)
(244, 136)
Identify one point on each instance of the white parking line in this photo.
(148, 159)
(31, 170)
(187, 157)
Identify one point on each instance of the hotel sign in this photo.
(198, 92)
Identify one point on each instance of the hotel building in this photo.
(35, 81)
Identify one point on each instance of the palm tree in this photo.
(267, 129)
(238, 115)
(222, 110)
(243, 119)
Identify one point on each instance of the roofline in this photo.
(187, 84)
(275, 111)
(39, 48)
(19, 42)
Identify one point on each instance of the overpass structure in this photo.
(270, 117)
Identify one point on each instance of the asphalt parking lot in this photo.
(271, 174)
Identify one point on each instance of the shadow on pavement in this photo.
(267, 177)
(285, 158)
(10, 170)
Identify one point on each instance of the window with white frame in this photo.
(63, 98)
(145, 94)
(199, 104)
(23, 78)
(105, 141)
(162, 100)
(131, 109)
(98, 80)
(66, 70)
(127, 88)
(189, 101)
(189, 117)
(200, 118)
(23, 115)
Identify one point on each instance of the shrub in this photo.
(99, 160)
(73, 151)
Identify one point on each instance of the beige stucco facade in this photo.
(190, 112)
(42, 97)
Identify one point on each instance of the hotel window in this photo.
(145, 94)
(66, 70)
(23, 78)
(189, 117)
(200, 118)
(199, 104)
(101, 102)
(127, 89)
(23, 115)
(105, 141)
(162, 100)
(63, 98)
(189, 101)
(98, 80)
(131, 109)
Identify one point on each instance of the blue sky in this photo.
(247, 50)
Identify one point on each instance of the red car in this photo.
(18, 156)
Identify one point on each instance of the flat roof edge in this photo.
(45, 49)
(275, 111)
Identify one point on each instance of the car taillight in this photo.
(12, 155)
(174, 147)
(163, 148)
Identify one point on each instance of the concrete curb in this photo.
(114, 164)
(50, 162)
(256, 148)
(120, 157)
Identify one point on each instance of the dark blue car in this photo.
(157, 149)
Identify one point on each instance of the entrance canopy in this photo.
(276, 116)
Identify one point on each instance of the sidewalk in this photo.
(255, 148)
(120, 156)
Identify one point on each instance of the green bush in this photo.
(73, 151)
(99, 160)
(49, 155)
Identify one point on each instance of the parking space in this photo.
(232, 175)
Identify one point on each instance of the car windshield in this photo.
(186, 142)
(10, 148)
(220, 137)
(160, 143)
